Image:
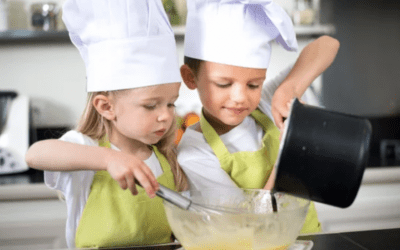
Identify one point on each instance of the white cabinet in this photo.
(32, 224)
(377, 205)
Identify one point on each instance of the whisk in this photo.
(185, 203)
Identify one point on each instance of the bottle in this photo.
(3, 15)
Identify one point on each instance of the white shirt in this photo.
(75, 185)
(198, 160)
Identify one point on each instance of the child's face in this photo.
(228, 93)
(145, 114)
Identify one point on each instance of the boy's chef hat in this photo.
(124, 43)
(237, 32)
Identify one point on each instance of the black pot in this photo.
(323, 155)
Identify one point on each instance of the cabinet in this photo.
(375, 207)
(32, 224)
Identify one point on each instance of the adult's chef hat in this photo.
(237, 32)
(124, 43)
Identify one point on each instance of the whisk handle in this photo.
(173, 197)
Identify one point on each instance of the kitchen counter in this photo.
(25, 186)
(387, 239)
(30, 185)
(28, 205)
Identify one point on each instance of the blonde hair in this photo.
(96, 126)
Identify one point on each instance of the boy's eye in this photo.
(253, 86)
(224, 85)
(171, 105)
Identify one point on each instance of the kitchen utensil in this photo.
(323, 155)
(185, 203)
(255, 227)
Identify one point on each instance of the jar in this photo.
(44, 16)
(303, 13)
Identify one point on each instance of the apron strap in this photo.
(212, 138)
(104, 142)
(263, 120)
(215, 141)
(163, 161)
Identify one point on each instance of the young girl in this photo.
(127, 131)
(236, 142)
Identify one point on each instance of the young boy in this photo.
(227, 52)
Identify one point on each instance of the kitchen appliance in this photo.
(255, 227)
(14, 132)
(323, 155)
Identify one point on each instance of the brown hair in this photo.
(96, 126)
(193, 63)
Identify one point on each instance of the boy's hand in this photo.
(271, 180)
(281, 102)
(126, 169)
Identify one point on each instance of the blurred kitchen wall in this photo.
(365, 77)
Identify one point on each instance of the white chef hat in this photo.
(237, 32)
(124, 43)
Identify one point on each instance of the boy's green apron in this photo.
(113, 217)
(252, 169)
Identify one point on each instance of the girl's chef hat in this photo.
(237, 32)
(124, 43)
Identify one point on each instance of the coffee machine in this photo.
(14, 132)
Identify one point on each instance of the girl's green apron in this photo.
(113, 217)
(252, 169)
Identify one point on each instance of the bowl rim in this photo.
(306, 204)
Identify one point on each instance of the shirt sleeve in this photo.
(67, 181)
(200, 164)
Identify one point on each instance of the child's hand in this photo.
(126, 169)
(271, 181)
(281, 102)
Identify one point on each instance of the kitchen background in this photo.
(38, 60)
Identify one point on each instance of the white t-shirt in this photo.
(75, 185)
(198, 160)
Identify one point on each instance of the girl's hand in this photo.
(127, 169)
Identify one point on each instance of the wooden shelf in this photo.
(29, 36)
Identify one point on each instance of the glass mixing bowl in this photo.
(254, 226)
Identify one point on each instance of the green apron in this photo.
(252, 169)
(113, 217)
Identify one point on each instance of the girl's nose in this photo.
(165, 114)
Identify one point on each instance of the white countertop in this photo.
(40, 191)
